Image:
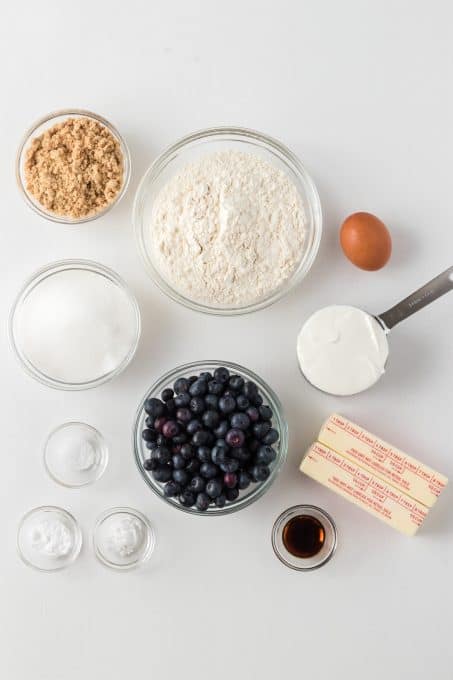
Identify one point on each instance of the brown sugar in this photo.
(75, 168)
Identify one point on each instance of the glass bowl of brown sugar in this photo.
(72, 166)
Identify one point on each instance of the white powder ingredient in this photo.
(52, 538)
(76, 326)
(126, 536)
(228, 229)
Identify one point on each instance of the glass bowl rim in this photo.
(102, 467)
(35, 279)
(23, 145)
(78, 537)
(303, 176)
(152, 538)
(260, 489)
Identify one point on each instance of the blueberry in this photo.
(219, 454)
(259, 472)
(193, 466)
(220, 500)
(211, 419)
(201, 438)
(149, 435)
(204, 454)
(265, 455)
(206, 375)
(150, 464)
(242, 402)
(149, 422)
(250, 390)
(240, 421)
(230, 480)
(257, 400)
(265, 412)
(271, 437)
(170, 429)
(187, 451)
(178, 461)
(227, 404)
(229, 465)
(183, 415)
(198, 388)
(162, 474)
(163, 455)
(260, 430)
(167, 394)
(154, 407)
(209, 470)
(181, 477)
(244, 480)
(235, 438)
(181, 385)
(214, 488)
(236, 383)
(215, 387)
(187, 498)
(171, 406)
(182, 400)
(202, 502)
(253, 414)
(222, 375)
(176, 448)
(151, 445)
(212, 401)
(159, 423)
(197, 405)
(253, 445)
(171, 489)
(241, 454)
(197, 484)
(222, 429)
(232, 494)
(193, 426)
(192, 379)
(161, 440)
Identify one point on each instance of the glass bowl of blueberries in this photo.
(210, 437)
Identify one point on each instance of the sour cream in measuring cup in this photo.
(342, 350)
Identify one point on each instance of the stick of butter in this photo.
(364, 489)
(383, 460)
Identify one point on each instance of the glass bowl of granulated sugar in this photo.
(227, 221)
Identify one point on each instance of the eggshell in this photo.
(366, 241)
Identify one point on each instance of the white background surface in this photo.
(361, 91)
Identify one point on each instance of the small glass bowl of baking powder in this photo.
(123, 538)
(40, 127)
(211, 141)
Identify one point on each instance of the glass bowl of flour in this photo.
(74, 325)
(227, 221)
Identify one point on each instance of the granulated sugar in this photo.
(76, 326)
(228, 229)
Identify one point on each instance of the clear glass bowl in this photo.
(75, 455)
(254, 491)
(30, 285)
(38, 128)
(31, 526)
(108, 527)
(188, 149)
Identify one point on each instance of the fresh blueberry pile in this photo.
(209, 437)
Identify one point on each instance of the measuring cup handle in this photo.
(419, 299)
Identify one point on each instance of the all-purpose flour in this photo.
(228, 229)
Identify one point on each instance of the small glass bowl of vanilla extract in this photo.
(304, 537)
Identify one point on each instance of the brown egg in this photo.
(366, 241)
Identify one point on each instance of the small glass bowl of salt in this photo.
(75, 455)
